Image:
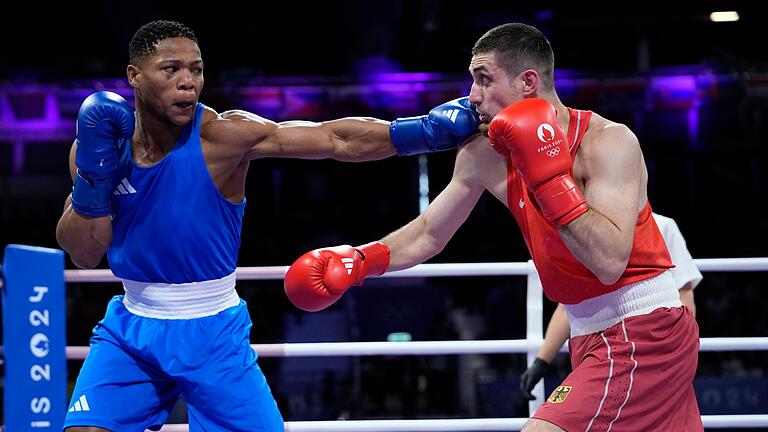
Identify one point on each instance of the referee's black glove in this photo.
(532, 376)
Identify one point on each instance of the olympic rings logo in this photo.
(553, 152)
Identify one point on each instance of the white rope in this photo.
(729, 421)
(734, 344)
(89, 276)
(484, 424)
(478, 424)
(429, 270)
(732, 264)
(488, 424)
(510, 346)
(463, 269)
(278, 272)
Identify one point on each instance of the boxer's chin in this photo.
(484, 129)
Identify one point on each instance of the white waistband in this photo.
(180, 301)
(599, 313)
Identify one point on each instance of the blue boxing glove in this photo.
(104, 118)
(446, 127)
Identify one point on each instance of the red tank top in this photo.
(564, 278)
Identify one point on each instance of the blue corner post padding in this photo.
(34, 339)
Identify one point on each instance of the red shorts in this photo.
(636, 375)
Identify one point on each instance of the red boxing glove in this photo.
(529, 133)
(320, 277)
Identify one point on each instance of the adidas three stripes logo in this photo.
(451, 114)
(80, 405)
(124, 188)
(349, 263)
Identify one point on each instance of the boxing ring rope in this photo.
(506, 346)
(484, 424)
(438, 270)
(529, 345)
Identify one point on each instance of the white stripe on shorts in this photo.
(607, 383)
(631, 376)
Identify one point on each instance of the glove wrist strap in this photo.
(91, 197)
(375, 259)
(560, 200)
(407, 135)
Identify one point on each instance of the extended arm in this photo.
(320, 277)
(349, 139)
(427, 235)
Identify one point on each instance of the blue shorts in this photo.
(139, 367)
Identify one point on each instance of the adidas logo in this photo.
(349, 263)
(80, 405)
(451, 114)
(124, 188)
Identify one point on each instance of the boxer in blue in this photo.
(161, 192)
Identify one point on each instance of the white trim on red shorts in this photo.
(631, 376)
(639, 298)
(608, 380)
(607, 383)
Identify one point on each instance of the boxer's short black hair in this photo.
(519, 47)
(146, 38)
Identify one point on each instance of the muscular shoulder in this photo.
(478, 163)
(236, 128)
(606, 138)
(208, 115)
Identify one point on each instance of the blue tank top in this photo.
(170, 224)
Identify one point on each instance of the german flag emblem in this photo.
(559, 395)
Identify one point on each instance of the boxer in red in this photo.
(580, 199)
